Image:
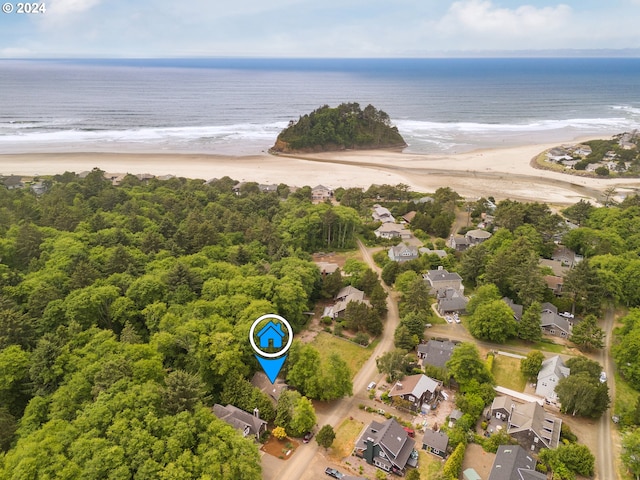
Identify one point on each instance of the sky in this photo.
(325, 28)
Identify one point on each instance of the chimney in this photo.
(256, 413)
(440, 267)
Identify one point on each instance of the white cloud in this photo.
(70, 7)
(482, 16)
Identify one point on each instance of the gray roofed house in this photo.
(344, 296)
(440, 280)
(516, 308)
(552, 323)
(428, 251)
(435, 442)
(327, 268)
(552, 371)
(387, 446)
(382, 214)
(435, 352)
(512, 462)
(403, 253)
(273, 390)
(392, 230)
(320, 193)
(451, 300)
(248, 424)
(476, 237)
(528, 423)
(416, 389)
(458, 243)
(13, 182)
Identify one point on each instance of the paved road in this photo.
(605, 456)
(297, 468)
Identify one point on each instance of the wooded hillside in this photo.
(345, 126)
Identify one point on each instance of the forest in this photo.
(345, 126)
(124, 316)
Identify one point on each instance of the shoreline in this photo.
(498, 172)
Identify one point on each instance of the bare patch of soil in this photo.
(282, 449)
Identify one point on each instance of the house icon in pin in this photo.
(271, 335)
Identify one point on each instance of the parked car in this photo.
(332, 472)
(371, 386)
(603, 376)
(307, 437)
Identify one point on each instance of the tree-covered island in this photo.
(345, 126)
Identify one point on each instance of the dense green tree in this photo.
(493, 321)
(625, 352)
(587, 335)
(529, 325)
(182, 392)
(303, 418)
(326, 436)
(581, 395)
(465, 365)
(393, 364)
(403, 339)
(530, 365)
(484, 294)
(631, 451)
(583, 286)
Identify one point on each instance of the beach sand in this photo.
(501, 172)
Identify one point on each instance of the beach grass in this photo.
(354, 355)
(506, 371)
(346, 436)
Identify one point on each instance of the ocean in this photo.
(238, 106)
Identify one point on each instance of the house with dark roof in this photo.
(13, 182)
(440, 280)
(528, 423)
(553, 370)
(387, 446)
(403, 253)
(272, 390)
(435, 443)
(418, 390)
(451, 301)
(435, 352)
(512, 462)
(458, 243)
(249, 425)
(409, 216)
(515, 308)
(552, 323)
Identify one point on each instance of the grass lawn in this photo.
(428, 465)
(626, 397)
(542, 346)
(353, 354)
(346, 436)
(506, 371)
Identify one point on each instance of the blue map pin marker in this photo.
(271, 335)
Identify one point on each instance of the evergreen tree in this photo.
(587, 335)
(529, 325)
(326, 436)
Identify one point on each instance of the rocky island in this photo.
(346, 126)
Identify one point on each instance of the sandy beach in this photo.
(501, 172)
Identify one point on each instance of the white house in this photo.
(552, 371)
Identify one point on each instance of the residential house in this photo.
(249, 425)
(38, 188)
(428, 251)
(559, 269)
(382, 214)
(528, 423)
(476, 237)
(565, 256)
(272, 390)
(13, 182)
(387, 446)
(344, 296)
(516, 308)
(265, 188)
(552, 323)
(458, 243)
(582, 150)
(435, 442)
(554, 283)
(409, 216)
(403, 253)
(320, 193)
(435, 352)
(553, 370)
(512, 462)
(451, 301)
(327, 268)
(454, 416)
(418, 390)
(439, 280)
(392, 230)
